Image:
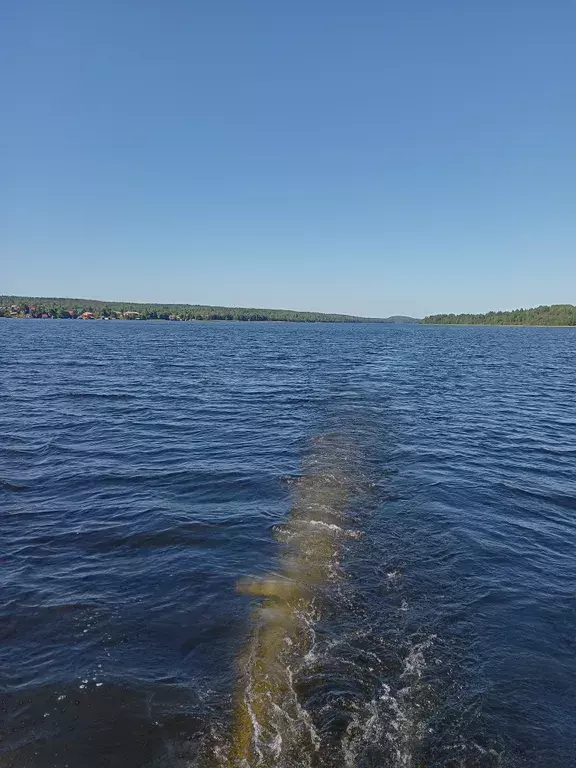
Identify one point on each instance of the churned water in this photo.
(287, 545)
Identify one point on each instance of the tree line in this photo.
(556, 314)
(42, 307)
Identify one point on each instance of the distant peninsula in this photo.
(90, 309)
(556, 314)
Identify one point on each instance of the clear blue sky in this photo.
(394, 156)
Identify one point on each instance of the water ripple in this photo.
(148, 468)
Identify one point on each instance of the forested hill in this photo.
(39, 307)
(557, 314)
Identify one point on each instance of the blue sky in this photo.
(368, 157)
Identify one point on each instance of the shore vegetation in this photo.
(92, 309)
(556, 314)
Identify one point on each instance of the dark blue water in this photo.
(144, 468)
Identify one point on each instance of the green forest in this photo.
(556, 314)
(46, 308)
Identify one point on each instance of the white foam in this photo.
(322, 524)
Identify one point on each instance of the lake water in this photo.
(417, 483)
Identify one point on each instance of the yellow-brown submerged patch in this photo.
(268, 719)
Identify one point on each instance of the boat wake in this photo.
(310, 693)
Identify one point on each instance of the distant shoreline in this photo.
(366, 321)
(224, 320)
(46, 308)
(544, 316)
(496, 325)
